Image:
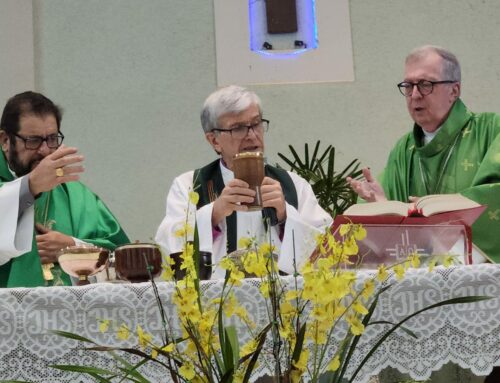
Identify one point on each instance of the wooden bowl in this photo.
(133, 260)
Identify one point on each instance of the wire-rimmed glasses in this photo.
(241, 131)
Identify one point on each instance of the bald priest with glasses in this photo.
(233, 123)
(450, 150)
(42, 206)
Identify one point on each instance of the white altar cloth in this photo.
(466, 334)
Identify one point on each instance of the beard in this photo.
(19, 167)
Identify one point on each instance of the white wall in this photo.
(16, 48)
(132, 75)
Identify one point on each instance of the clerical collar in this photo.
(428, 136)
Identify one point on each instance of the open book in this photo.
(443, 212)
(424, 207)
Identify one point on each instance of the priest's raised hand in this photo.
(63, 165)
(369, 189)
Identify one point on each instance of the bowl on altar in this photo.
(83, 261)
(138, 262)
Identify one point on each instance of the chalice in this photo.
(83, 261)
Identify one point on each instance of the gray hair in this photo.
(451, 66)
(230, 99)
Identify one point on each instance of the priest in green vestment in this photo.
(44, 207)
(450, 150)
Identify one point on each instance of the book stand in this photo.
(392, 243)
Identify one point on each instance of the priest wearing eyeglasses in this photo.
(450, 150)
(233, 123)
(43, 206)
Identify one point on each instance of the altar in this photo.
(465, 334)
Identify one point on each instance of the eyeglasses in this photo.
(241, 131)
(34, 142)
(425, 87)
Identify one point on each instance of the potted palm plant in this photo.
(330, 187)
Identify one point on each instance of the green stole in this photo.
(208, 181)
(74, 211)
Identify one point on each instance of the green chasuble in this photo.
(463, 157)
(72, 209)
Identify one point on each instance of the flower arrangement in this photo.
(305, 314)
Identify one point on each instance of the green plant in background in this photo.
(330, 187)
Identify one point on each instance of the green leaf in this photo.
(331, 188)
(255, 355)
(227, 349)
(453, 301)
(232, 337)
(406, 330)
(299, 343)
(83, 369)
(13, 381)
(131, 370)
(306, 156)
(70, 335)
(355, 338)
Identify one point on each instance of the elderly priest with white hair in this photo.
(233, 123)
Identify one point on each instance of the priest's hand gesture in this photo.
(369, 189)
(50, 242)
(56, 168)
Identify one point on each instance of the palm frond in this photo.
(330, 187)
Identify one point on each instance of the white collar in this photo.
(428, 136)
(227, 174)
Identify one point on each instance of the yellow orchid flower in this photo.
(357, 328)
(382, 273)
(123, 332)
(368, 289)
(187, 371)
(334, 364)
(344, 229)
(168, 348)
(301, 364)
(144, 337)
(245, 242)
(432, 264)
(359, 308)
(194, 197)
(104, 325)
(399, 270)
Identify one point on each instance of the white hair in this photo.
(451, 66)
(230, 99)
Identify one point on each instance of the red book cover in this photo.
(463, 217)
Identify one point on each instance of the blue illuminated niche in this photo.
(283, 45)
